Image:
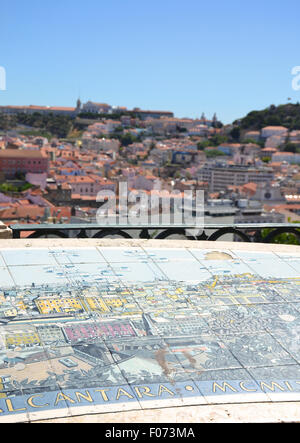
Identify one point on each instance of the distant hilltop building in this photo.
(31, 109)
(151, 114)
(96, 108)
(89, 107)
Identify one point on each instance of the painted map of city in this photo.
(100, 329)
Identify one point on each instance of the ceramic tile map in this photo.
(100, 329)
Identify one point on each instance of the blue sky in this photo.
(187, 56)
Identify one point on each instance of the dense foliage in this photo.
(56, 125)
(287, 115)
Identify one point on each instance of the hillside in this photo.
(37, 124)
(287, 115)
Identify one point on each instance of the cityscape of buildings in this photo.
(57, 179)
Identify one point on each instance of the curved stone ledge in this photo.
(5, 231)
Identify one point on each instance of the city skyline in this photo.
(192, 58)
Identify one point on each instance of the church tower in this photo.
(78, 105)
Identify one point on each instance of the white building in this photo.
(295, 136)
(96, 108)
(221, 176)
(288, 157)
(269, 131)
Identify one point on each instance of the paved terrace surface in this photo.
(149, 331)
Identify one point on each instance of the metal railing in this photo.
(259, 233)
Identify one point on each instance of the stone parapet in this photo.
(5, 231)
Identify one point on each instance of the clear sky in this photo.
(186, 56)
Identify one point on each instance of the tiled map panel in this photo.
(94, 330)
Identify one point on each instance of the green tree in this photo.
(284, 238)
(235, 133)
(289, 147)
(213, 153)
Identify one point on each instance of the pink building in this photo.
(86, 185)
(80, 331)
(23, 161)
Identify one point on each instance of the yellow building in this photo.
(20, 305)
(2, 394)
(22, 339)
(96, 304)
(12, 312)
(50, 305)
(115, 302)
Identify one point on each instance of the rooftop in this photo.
(21, 153)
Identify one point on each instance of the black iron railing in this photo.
(260, 233)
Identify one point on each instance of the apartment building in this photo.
(85, 185)
(289, 157)
(220, 176)
(14, 161)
